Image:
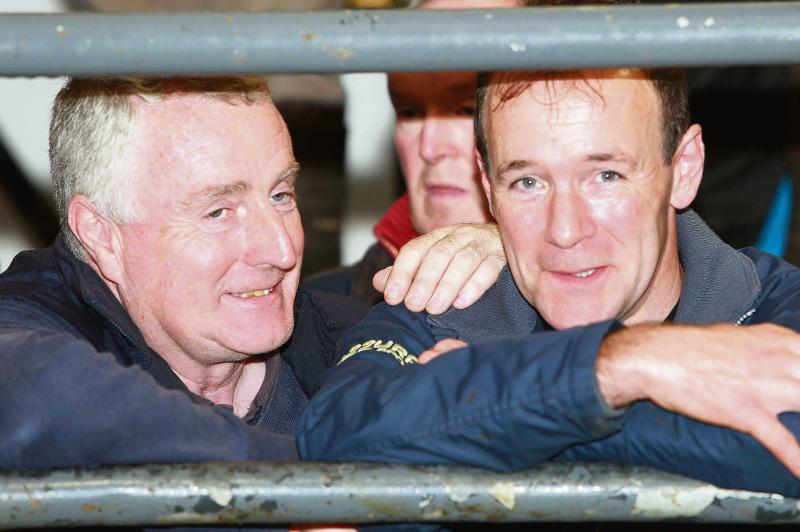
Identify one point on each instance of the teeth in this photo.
(587, 273)
(254, 293)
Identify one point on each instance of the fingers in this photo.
(406, 265)
(433, 270)
(457, 276)
(380, 278)
(780, 442)
(441, 347)
(484, 278)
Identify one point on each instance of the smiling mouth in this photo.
(253, 293)
(584, 274)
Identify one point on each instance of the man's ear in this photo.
(98, 235)
(687, 167)
(487, 189)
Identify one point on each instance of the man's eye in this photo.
(607, 176)
(217, 213)
(283, 198)
(527, 183)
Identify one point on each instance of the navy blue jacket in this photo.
(79, 387)
(520, 395)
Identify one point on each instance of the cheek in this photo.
(464, 137)
(406, 140)
(522, 224)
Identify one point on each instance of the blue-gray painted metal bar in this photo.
(353, 493)
(360, 41)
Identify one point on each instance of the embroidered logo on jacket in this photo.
(400, 353)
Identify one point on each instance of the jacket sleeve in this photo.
(62, 404)
(657, 438)
(505, 405)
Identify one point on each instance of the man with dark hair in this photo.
(589, 175)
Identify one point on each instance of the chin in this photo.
(256, 341)
(564, 318)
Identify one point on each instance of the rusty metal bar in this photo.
(362, 493)
(396, 40)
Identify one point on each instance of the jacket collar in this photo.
(394, 229)
(720, 284)
(87, 286)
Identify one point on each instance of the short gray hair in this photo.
(92, 123)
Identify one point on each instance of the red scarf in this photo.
(394, 230)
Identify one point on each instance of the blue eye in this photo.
(528, 183)
(284, 199)
(607, 176)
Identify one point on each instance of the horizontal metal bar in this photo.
(398, 40)
(362, 493)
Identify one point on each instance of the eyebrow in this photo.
(291, 172)
(517, 164)
(521, 164)
(211, 193)
(605, 157)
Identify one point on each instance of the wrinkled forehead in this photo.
(189, 140)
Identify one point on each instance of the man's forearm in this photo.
(740, 377)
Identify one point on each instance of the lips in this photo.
(252, 293)
(579, 275)
(444, 190)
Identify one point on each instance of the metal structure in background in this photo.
(397, 40)
(279, 493)
(353, 41)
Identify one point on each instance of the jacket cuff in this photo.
(598, 418)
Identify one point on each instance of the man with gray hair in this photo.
(165, 324)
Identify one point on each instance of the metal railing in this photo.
(397, 40)
(361, 493)
(353, 41)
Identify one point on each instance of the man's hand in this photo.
(737, 377)
(441, 347)
(451, 265)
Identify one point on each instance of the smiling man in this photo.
(166, 323)
(589, 175)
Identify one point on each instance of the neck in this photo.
(665, 288)
(232, 383)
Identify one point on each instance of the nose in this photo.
(569, 219)
(269, 242)
(436, 140)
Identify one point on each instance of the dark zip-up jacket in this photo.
(79, 387)
(520, 395)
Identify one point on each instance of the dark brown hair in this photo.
(669, 84)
